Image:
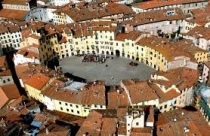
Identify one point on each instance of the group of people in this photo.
(133, 63)
(94, 58)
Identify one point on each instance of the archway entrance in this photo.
(117, 52)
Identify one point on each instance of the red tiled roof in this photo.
(2, 61)
(156, 16)
(139, 91)
(8, 92)
(180, 77)
(91, 124)
(37, 81)
(30, 51)
(117, 97)
(170, 49)
(164, 96)
(54, 130)
(13, 14)
(133, 35)
(161, 3)
(15, 2)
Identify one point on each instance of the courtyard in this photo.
(112, 71)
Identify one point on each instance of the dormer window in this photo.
(170, 13)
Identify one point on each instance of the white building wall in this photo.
(58, 2)
(164, 26)
(20, 59)
(10, 39)
(16, 7)
(42, 14)
(205, 73)
(4, 80)
(188, 94)
(49, 103)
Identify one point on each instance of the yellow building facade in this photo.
(153, 51)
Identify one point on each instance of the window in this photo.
(8, 79)
(72, 110)
(137, 123)
(77, 112)
(160, 107)
(67, 109)
(71, 105)
(66, 104)
(61, 108)
(59, 102)
(165, 106)
(77, 106)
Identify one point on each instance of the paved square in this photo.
(118, 69)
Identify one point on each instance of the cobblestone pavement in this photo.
(117, 69)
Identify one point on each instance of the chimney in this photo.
(3, 122)
(118, 91)
(47, 131)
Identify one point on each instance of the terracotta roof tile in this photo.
(161, 3)
(192, 119)
(181, 77)
(139, 91)
(16, 2)
(199, 32)
(30, 51)
(17, 101)
(92, 12)
(146, 131)
(109, 126)
(133, 35)
(94, 93)
(2, 61)
(6, 73)
(13, 14)
(117, 97)
(54, 130)
(38, 81)
(91, 125)
(200, 16)
(156, 16)
(8, 92)
(171, 49)
(172, 93)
